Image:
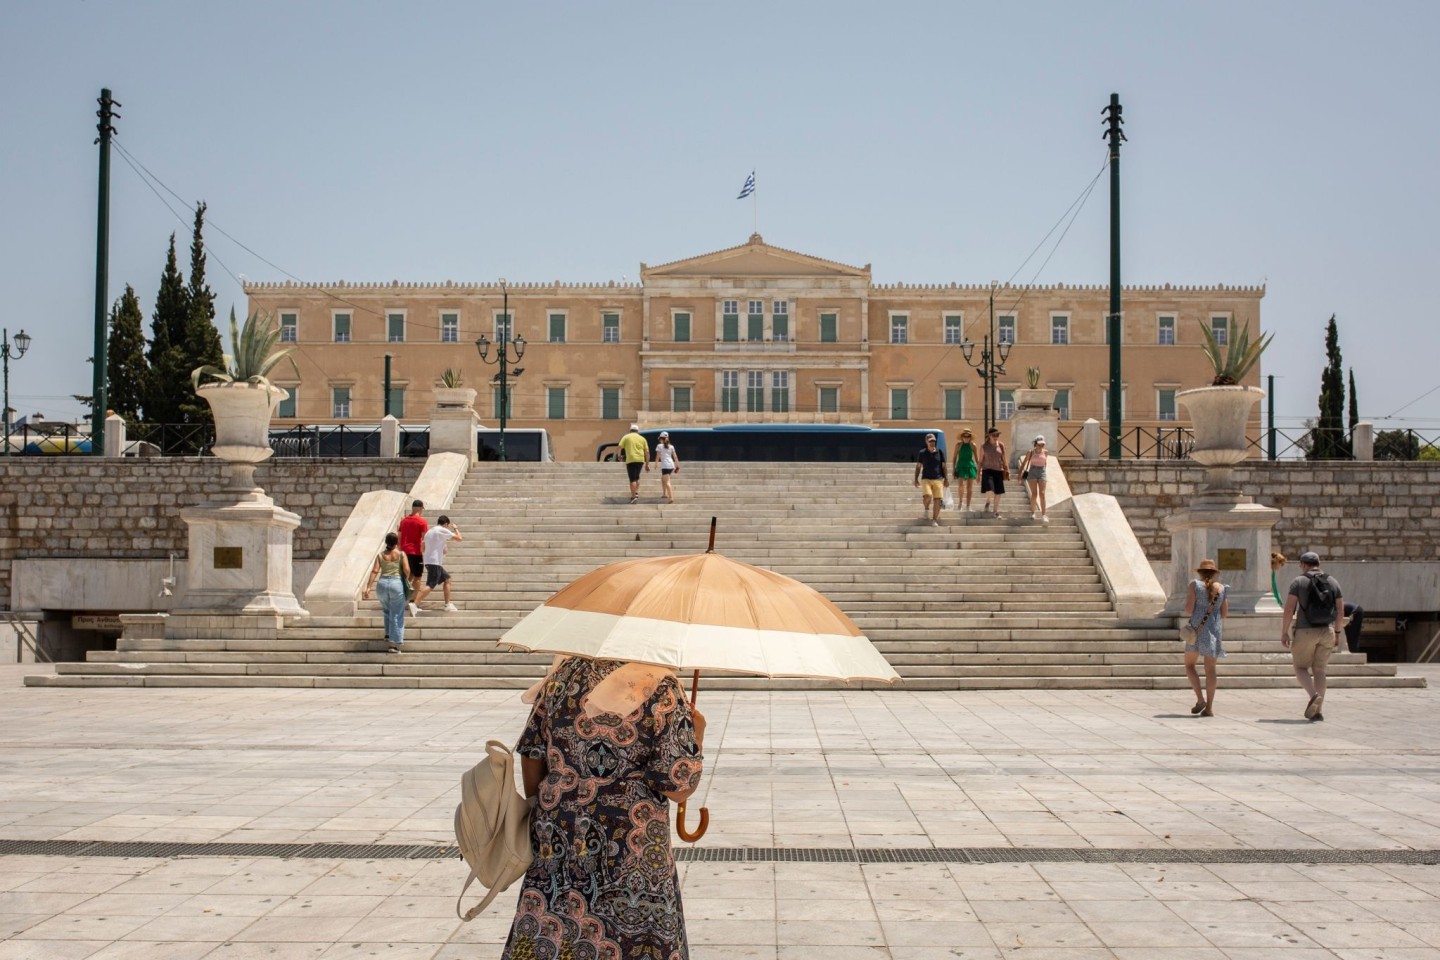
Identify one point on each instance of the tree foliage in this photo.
(169, 376)
(1331, 440)
(1354, 405)
(201, 340)
(127, 370)
(1396, 445)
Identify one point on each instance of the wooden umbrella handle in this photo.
(687, 835)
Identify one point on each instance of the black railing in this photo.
(29, 440)
(168, 439)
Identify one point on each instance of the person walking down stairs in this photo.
(967, 468)
(437, 541)
(930, 471)
(994, 470)
(1032, 473)
(387, 578)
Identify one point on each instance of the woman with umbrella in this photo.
(606, 745)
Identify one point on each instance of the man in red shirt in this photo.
(412, 544)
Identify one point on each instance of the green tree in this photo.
(1354, 404)
(127, 370)
(1429, 453)
(200, 341)
(169, 381)
(1330, 441)
(1396, 445)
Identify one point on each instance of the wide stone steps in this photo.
(978, 603)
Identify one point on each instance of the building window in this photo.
(504, 327)
(449, 328)
(954, 404)
(395, 327)
(341, 323)
(780, 321)
(729, 391)
(682, 328)
(289, 328)
(954, 327)
(1005, 404)
(899, 403)
(754, 391)
(286, 409)
(829, 324)
(1006, 331)
(755, 320)
(1165, 405)
(1105, 403)
(1220, 329)
(557, 328)
(1166, 335)
(780, 391)
(680, 399)
(829, 399)
(1062, 404)
(340, 403)
(397, 403)
(899, 328)
(555, 403)
(610, 327)
(730, 321)
(1059, 328)
(610, 403)
(509, 398)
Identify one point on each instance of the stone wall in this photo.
(93, 507)
(1347, 511)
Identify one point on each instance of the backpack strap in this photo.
(476, 910)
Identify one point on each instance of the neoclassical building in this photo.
(752, 333)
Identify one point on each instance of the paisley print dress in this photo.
(603, 884)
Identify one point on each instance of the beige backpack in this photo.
(492, 826)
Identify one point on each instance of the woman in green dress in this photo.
(967, 468)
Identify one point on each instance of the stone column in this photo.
(115, 439)
(453, 422)
(1363, 441)
(1090, 442)
(389, 438)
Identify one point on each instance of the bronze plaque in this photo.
(1232, 559)
(229, 558)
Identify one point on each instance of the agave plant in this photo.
(451, 378)
(254, 353)
(1238, 357)
(1032, 377)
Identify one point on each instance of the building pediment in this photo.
(755, 258)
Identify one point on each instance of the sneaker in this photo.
(1044, 518)
(1034, 514)
(934, 523)
(1313, 707)
(635, 499)
(414, 609)
(451, 608)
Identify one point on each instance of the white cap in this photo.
(1040, 439)
(635, 427)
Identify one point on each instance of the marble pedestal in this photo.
(1029, 423)
(1235, 532)
(452, 430)
(240, 558)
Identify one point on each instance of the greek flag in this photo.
(749, 187)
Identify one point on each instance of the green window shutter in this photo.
(555, 403)
(610, 403)
(731, 325)
(680, 400)
(829, 323)
(829, 399)
(682, 327)
(953, 405)
(557, 328)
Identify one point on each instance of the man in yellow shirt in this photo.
(637, 455)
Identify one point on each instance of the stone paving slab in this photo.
(1045, 774)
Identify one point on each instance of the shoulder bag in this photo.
(1189, 634)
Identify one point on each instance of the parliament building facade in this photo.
(750, 334)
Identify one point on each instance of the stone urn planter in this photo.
(454, 398)
(1219, 416)
(1035, 398)
(242, 413)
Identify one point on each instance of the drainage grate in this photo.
(685, 854)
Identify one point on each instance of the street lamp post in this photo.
(506, 342)
(7, 350)
(990, 363)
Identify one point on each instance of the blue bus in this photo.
(788, 442)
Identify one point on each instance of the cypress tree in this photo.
(169, 379)
(1354, 405)
(201, 341)
(127, 369)
(1330, 443)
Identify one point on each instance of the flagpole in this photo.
(755, 206)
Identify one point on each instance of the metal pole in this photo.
(1115, 135)
(990, 349)
(504, 363)
(5, 352)
(1270, 410)
(386, 411)
(100, 393)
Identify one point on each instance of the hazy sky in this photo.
(1283, 143)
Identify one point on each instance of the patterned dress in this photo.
(1209, 639)
(603, 884)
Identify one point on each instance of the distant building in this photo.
(753, 333)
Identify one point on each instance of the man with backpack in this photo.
(1314, 603)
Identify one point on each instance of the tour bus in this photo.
(521, 443)
(781, 442)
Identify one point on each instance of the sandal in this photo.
(1199, 707)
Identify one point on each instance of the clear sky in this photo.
(1277, 142)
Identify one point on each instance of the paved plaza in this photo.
(1039, 825)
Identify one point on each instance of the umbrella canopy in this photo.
(702, 612)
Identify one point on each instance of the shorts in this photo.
(934, 489)
(417, 565)
(992, 481)
(634, 470)
(666, 471)
(1312, 646)
(1037, 475)
(435, 575)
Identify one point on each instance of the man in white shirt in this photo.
(437, 541)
